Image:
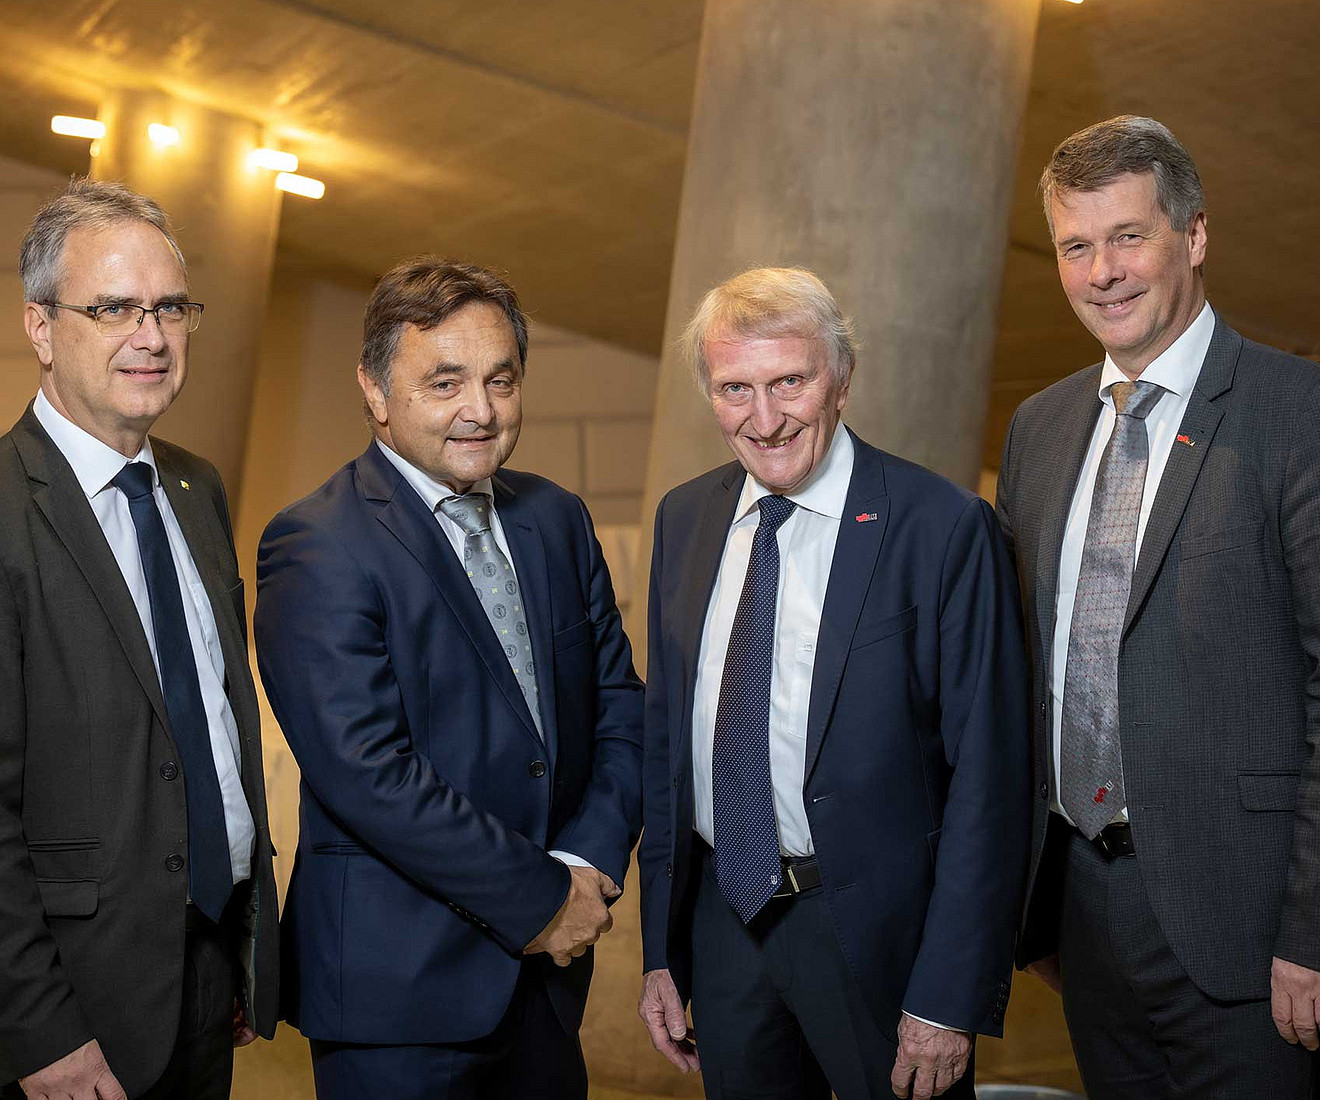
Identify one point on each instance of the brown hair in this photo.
(426, 292)
(1098, 155)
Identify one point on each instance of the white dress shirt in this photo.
(95, 465)
(433, 494)
(806, 552)
(1176, 371)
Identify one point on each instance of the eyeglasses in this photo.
(122, 318)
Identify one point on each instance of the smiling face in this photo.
(113, 387)
(454, 408)
(778, 402)
(1130, 276)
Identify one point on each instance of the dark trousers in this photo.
(201, 1065)
(1141, 1029)
(776, 1011)
(529, 1056)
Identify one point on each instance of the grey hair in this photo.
(769, 303)
(1099, 154)
(84, 204)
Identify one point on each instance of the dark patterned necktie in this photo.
(210, 874)
(1091, 754)
(747, 861)
(497, 588)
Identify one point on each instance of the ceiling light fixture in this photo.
(70, 126)
(162, 135)
(273, 159)
(305, 186)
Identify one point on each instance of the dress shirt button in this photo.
(169, 770)
(174, 862)
(536, 769)
(1044, 790)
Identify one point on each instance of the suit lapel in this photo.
(1198, 427)
(1059, 466)
(855, 556)
(61, 500)
(699, 568)
(529, 563)
(404, 515)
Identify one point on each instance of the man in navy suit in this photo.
(440, 643)
(836, 759)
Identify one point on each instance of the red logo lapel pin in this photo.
(1187, 439)
(866, 517)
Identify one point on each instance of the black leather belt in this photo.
(801, 873)
(1115, 840)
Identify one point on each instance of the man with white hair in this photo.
(835, 789)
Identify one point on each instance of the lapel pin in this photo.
(866, 517)
(1187, 439)
(184, 484)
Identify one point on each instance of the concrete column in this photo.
(226, 215)
(875, 142)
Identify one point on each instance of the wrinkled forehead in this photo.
(129, 259)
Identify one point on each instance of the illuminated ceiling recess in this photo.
(70, 126)
(273, 159)
(162, 136)
(305, 186)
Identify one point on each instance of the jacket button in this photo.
(174, 862)
(536, 769)
(675, 782)
(1044, 790)
(169, 770)
(1043, 710)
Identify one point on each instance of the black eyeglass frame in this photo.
(142, 311)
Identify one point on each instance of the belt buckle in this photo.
(792, 878)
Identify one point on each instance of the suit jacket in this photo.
(1219, 696)
(91, 916)
(916, 754)
(428, 801)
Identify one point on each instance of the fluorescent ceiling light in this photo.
(273, 159)
(300, 185)
(77, 127)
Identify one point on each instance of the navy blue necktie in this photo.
(747, 862)
(210, 873)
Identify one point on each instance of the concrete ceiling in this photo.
(548, 138)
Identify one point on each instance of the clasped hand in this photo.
(581, 920)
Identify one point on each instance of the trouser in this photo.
(777, 1013)
(529, 1056)
(1141, 1029)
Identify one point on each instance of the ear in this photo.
(843, 390)
(1196, 239)
(374, 395)
(37, 324)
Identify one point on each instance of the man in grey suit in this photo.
(138, 931)
(1164, 507)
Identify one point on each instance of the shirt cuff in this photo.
(922, 1019)
(568, 859)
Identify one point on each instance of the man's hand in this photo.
(1047, 970)
(81, 1075)
(581, 920)
(662, 1013)
(243, 1034)
(1295, 1002)
(929, 1060)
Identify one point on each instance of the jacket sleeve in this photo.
(321, 650)
(605, 828)
(40, 1020)
(961, 975)
(654, 855)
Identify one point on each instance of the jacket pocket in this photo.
(868, 633)
(573, 635)
(1230, 538)
(1268, 792)
(69, 898)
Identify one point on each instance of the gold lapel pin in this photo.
(184, 484)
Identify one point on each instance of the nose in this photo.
(767, 418)
(1106, 268)
(148, 335)
(477, 408)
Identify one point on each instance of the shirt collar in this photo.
(432, 492)
(1176, 368)
(825, 490)
(94, 463)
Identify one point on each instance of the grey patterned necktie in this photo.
(497, 588)
(1091, 755)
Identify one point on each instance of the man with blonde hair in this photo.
(835, 773)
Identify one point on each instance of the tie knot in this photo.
(1135, 398)
(774, 510)
(470, 511)
(134, 480)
